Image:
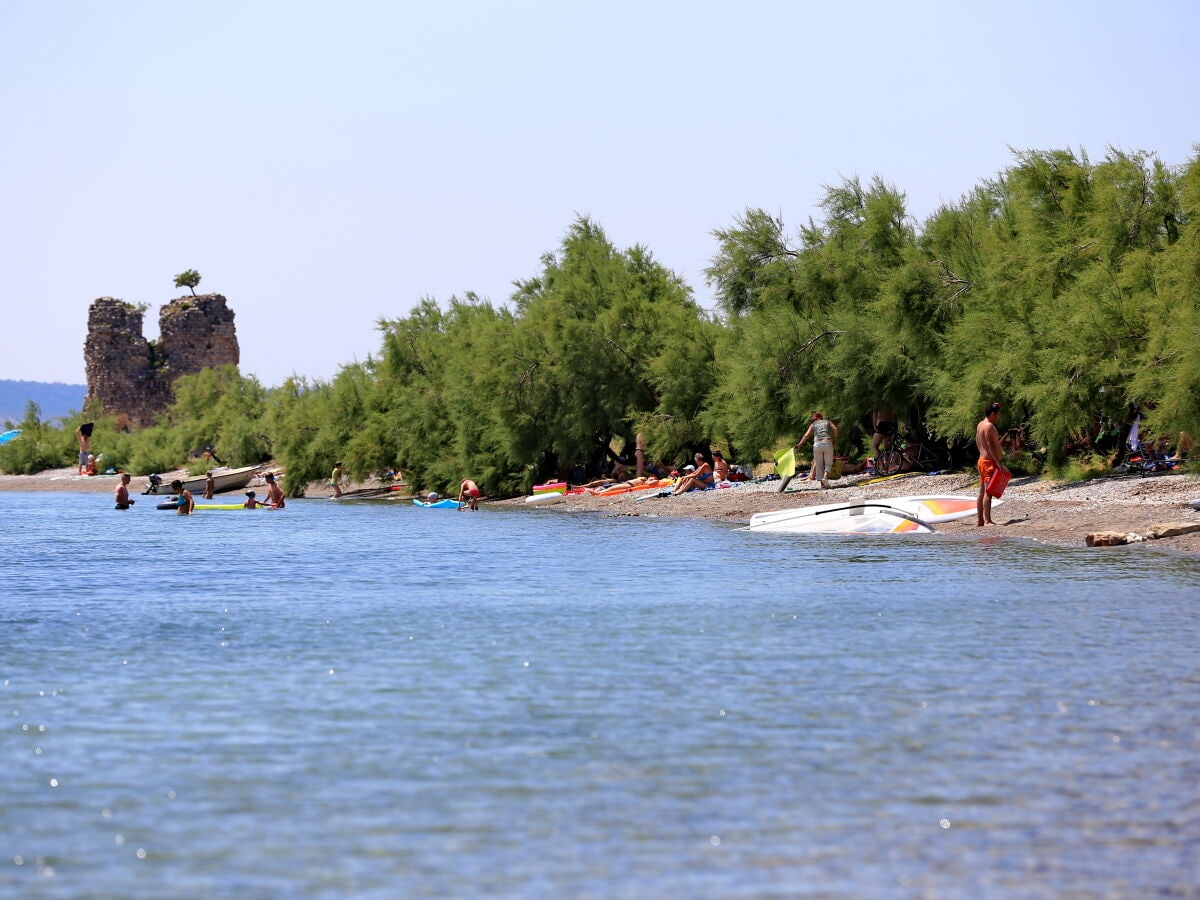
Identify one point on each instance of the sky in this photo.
(325, 166)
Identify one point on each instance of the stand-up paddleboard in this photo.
(200, 506)
(448, 503)
(852, 515)
(545, 499)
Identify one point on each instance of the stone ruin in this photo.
(132, 378)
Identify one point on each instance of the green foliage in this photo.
(188, 279)
(1066, 289)
(218, 408)
(39, 446)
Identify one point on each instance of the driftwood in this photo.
(1116, 538)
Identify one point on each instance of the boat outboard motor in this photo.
(155, 483)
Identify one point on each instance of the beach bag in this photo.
(835, 471)
(998, 482)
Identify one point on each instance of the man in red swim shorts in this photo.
(468, 494)
(987, 439)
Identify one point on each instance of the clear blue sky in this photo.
(324, 165)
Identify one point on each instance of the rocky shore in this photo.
(1053, 512)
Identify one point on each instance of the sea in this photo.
(369, 699)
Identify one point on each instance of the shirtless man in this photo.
(468, 494)
(121, 494)
(84, 442)
(987, 439)
(274, 492)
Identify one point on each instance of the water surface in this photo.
(376, 700)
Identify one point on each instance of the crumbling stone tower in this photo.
(132, 378)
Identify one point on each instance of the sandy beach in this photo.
(1052, 512)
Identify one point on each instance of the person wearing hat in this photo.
(274, 492)
(251, 501)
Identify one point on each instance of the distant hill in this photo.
(55, 399)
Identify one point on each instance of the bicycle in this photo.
(917, 456)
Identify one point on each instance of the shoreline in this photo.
(1049, 512)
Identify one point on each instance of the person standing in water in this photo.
(121, 494)
(210, 485)
(274, 492)
(468, 494)
(185, 503)
(987, 439)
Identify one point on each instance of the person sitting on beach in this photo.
(720, 467)
(468, 494)
(185, 503)
(274, 492)
(91, 468)
(252, 502)
(695, 478)
(121, 494)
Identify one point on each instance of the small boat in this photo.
(895, 515)
(1194, 504)
(10, 435)
(224, 481)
